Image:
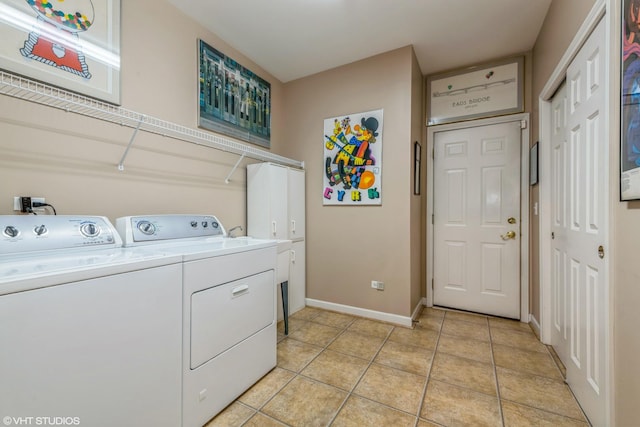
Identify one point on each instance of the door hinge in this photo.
(523, 124)
(432, 219)
(433, 153)
(432, 284)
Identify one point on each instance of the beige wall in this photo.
(348, 246)
(71, 160)
(418, 205)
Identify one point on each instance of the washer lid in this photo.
(27, 271)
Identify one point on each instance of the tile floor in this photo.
(452, 369)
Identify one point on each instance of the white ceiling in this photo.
(296, 38)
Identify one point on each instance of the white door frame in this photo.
(555, 80)
(524, 201)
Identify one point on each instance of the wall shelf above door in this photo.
(41, 93)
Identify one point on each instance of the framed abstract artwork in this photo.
(234, 100)
(73, 44)
(630, 102)
(352, 145)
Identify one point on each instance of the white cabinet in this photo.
(275, 202)
(276, 210)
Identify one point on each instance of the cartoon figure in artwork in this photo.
(354, 154)
(54, 40)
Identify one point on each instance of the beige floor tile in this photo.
(266, 388)
(538, 392)
(456, 406)
(352, 343)
(392, 387)
(405, 357)
(430, 322)
(315, 333)
(466, 317)
(385, 366)
(463, 329)
(304, 402)
(523, 416)
(295, 355)
(294, 324)
(336, 369)
(424, 423)
(370, 327)
(420, 337)
(337, 320)
(433, 312)
(465, 347)
(233, 415)
(463, 372)
(497, 322)
(359, 412)
(307, 313)
(520, 339)
(261, 420)
(531, 362)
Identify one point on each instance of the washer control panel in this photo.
(28, 233)
(158, 228)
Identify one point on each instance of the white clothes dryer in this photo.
(229, 306)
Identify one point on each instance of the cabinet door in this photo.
(296, 204)
(278, 190)
(297, 278)
(267, 201)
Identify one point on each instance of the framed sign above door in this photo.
(487, 90)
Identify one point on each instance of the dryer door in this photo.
(224, 315)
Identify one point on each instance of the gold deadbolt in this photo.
(601, 251)
(511, 220)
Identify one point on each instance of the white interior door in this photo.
(579, 198)
(477, 219)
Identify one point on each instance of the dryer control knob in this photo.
(40, 230)
(147, 228)
(89, 229)
(11, 231)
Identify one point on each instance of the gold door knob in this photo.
(510, 235)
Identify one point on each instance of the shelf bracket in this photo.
(226, 180)
(133, 137)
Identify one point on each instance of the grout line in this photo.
(426, 382)
(495, 373)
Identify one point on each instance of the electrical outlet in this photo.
(29, 201)
(377, 285)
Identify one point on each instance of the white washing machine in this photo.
(90, 332)
(229, 306)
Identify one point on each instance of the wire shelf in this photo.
(41, 93)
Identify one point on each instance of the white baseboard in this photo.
(362, 312)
